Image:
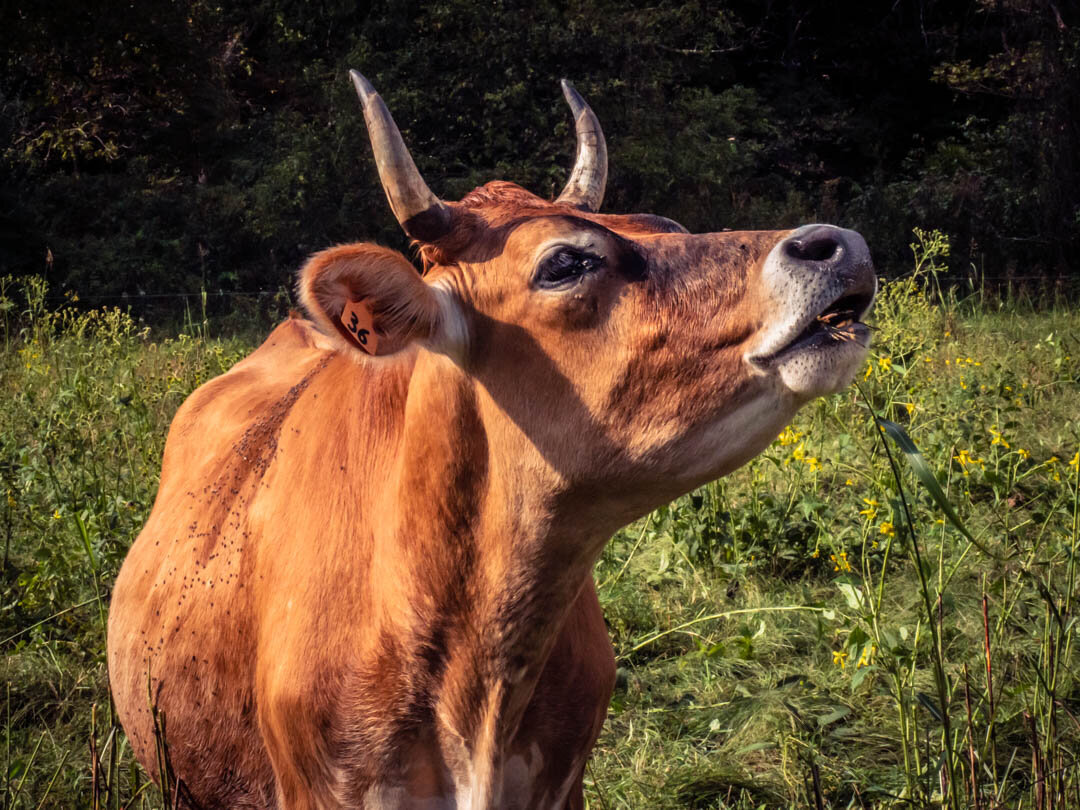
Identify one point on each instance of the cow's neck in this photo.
(487, 569)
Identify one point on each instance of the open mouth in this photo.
(840, 321)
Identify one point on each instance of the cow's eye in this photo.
(565, 267)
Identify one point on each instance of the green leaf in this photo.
(665, 561)
(844, 733)
(84, 535)
(838, 713)
(928, 479)
(928, 704)
(852, 594)
(859, 675)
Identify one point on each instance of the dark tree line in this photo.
(160, 146)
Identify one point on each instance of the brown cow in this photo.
(367, 578)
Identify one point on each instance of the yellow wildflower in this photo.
(816, 553)
(869, 371)
(997, 438)
(840, 563)
(871, 508)
(813, 463)
(839, 659)
(1075, 461)
(1024, 454)
(864, 656)
(789, 436)
(56, 514)
(886, 528)
(885, 363)
(967, 460)
(849, 483)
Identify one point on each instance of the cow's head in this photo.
(628, 352)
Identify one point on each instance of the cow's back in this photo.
(183, 633)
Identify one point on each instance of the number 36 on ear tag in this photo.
(360, 325)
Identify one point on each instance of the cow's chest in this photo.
(540, 767)
(522, 783)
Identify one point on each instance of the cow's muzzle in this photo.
(820, 284)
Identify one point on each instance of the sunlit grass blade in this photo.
(926, 477)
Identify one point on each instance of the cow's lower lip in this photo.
(820, 338)
(835, 326)
(819, 335)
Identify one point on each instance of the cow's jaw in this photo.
(820, 281)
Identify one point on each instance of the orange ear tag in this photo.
(360, 324)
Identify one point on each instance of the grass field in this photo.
(812, 631)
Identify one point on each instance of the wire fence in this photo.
(132, 298)
(249, 311)
(226, 311)
(949, 279)
(1033, 289)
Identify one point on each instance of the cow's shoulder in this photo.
(219, 413)
(277, 365)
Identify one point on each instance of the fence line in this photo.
(132, 298)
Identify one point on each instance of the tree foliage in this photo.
(168, 145)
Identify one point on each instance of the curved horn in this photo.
(421, 214)
(585, 188)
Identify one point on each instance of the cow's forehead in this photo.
(535, 236)
(501, 203)
(501, 216)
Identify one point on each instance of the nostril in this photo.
(814, 247)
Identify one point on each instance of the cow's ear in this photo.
(374, 300)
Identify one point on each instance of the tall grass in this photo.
(815, 630)
(87, 399)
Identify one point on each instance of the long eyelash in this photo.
(571, 260)
(567, 264)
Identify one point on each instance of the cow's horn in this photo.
(585, 188)
(422, 215)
